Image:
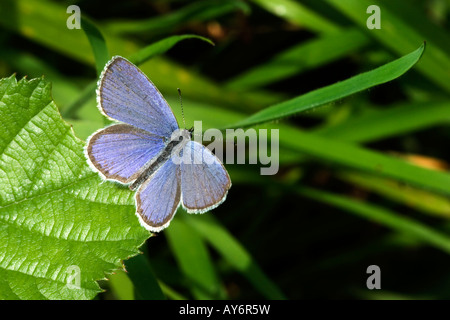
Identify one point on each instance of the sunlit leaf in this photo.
(60, 228)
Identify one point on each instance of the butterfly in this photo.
(149, 152)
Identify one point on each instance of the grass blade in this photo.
(417, 199)
(98, 44)
(298, 14)
(336, 91)
(235, 254)
(120, 285)
(170, 293)
(145, 284)
(197, 11)
(305, 56)
(401, 35)
(350, 155)
(383, 216)
(85, 95)
(194, 260)
(390, 122)
(161, 47)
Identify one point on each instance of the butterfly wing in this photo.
(126, 94)
(119, 151)
(204, 180)
(158, 198)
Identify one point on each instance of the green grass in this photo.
(351, 106)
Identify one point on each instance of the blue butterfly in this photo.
(145, 149)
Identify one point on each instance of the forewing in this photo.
(125, 94)
(120, 151)
(158, 198)
(204, 180)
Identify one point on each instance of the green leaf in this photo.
(58, 223)
(336, 91)
(145, 284)
(418, 199)
(352, 156)
(121, 286)
(98, 44)
(395, 120)
(197, 11)
(161, 46)
(85, 95)
(383, 216)
(235, 254)
(194, 260)
(330, 149)
(298, 14)
(170, 293)
(349, 155)
(400, 33)
(305, 56)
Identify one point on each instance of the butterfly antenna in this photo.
(182, 111)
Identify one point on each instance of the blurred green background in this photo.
(312, 230)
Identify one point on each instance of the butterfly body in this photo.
(149, 152)
(174, 146)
